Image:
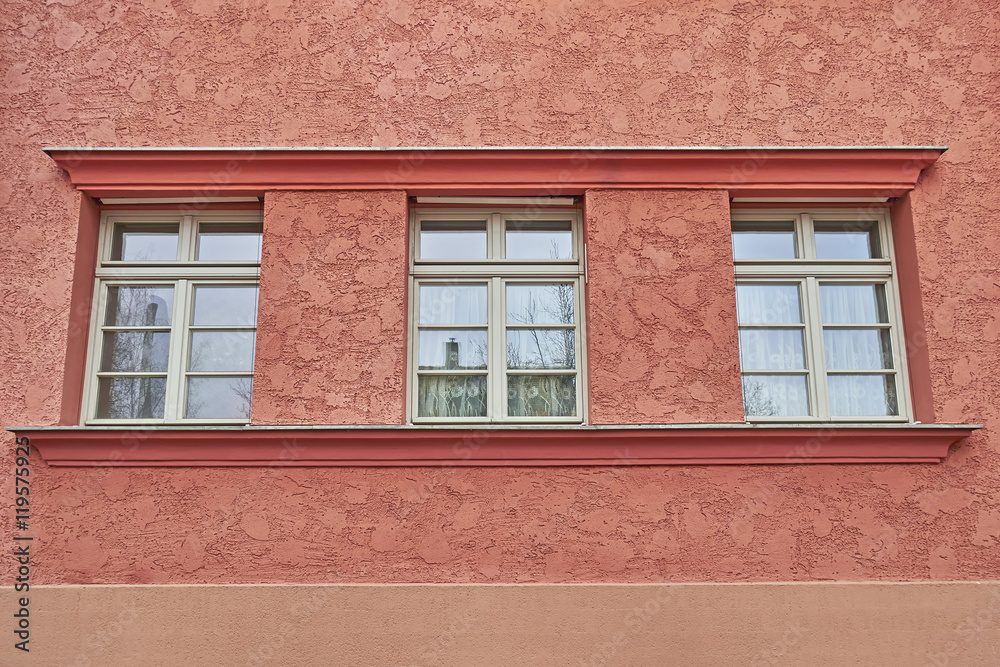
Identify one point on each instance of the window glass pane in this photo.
(452, 349)
(775, 396)
(218, 397)
(139, 306)
(453, 304)
(849, 349)
(221, 351)
(862, 395)
(853, 304)
(229, 242)
(135, 351)
(137, 242)
(768, 304)
(540, 304)
(541, 348)
(847, 240)
(451, 396)
(234, 305)
(538, 239)
(131, 397)
(764, 240)
(541, 395)
(771, 349)
(453, 239)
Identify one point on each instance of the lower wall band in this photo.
(407, 625)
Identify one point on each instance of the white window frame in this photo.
(808, 271)
(183, 274)
(498, 272)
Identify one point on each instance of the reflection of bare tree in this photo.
(243, 388)
(756, 401)
(555, 348)
(143, 351)
(219, 397)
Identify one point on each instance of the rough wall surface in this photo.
(216, 72)
(331, 332)
(661, 317)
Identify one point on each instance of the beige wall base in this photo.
(939, 623)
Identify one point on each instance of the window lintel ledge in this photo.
(531, 445)
(762, 171)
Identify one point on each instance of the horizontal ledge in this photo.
(619, 445)
(437, 149)
(763, 171)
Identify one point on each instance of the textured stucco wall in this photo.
(331, 331)
(661, 316)
(214, 72)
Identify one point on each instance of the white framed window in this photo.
(819, 320)
(173, 326)
(496, 313)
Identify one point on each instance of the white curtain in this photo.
(453, 303)
(768, 304)
(862, 395)
(451, 396)
(852, 304)
(771, 349)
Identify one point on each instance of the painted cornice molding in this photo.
(849, 171)
(690, 444)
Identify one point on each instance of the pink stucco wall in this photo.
(438, 73)
(661, 316)
(331, 330)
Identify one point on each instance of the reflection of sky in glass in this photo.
(234, 246)
(145, 243)
(527, 239)
(452, 349)
(234, 305)
(768, 304)
(453, 304)
(452, 239)
(846, 240)
(221, 351)
(139, 306)
(218, 397)
(540, 304)
(764, 244)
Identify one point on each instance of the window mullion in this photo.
(807, 247)
(495, 236)
(174, 403)
(819, 401)
(497, 364)
(187, 239)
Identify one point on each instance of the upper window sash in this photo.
(137, 243)
(771, 236)
(507, 237)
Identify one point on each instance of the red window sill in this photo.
(622, 445)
